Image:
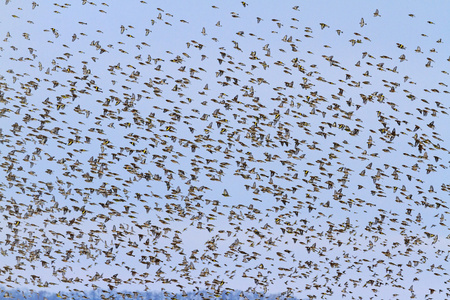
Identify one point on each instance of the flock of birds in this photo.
(237, 161)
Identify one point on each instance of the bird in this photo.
(362, 23)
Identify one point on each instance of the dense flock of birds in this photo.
(236, 155)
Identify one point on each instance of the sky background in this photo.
(54, 51)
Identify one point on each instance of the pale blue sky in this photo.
(167, 38)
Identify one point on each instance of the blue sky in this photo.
(186, 80)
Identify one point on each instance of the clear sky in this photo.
(281, 145)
